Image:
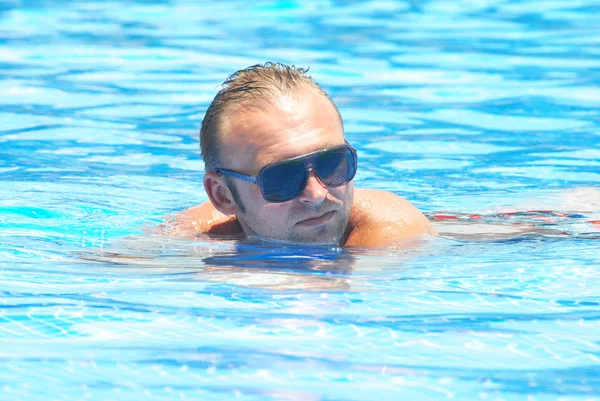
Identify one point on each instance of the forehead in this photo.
(280, 128)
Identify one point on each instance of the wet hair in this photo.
(258, 83)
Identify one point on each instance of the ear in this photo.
(219, 194)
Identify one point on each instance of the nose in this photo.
(314, 192)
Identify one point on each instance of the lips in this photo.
(317, 220)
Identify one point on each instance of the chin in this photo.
(325, 237)
(313, 241)
(326, 234)
(299, 241)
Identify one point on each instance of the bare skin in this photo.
(278, 129)
(378, 218)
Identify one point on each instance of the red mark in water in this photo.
(444, 217)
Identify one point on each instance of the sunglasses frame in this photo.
(308, 160)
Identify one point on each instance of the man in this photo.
(278, 167)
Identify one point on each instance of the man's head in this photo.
(265, 114)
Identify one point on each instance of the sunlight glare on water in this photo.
(486, 108)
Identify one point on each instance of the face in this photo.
(283, 128)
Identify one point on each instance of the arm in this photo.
(381, 218)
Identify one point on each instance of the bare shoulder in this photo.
(199, 220)
(380, 218)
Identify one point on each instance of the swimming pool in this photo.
(463, 107)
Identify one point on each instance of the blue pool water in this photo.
(483, 107)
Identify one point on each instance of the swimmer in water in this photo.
(278, 167)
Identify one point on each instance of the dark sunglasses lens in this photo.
(336, 167)
(283, 182)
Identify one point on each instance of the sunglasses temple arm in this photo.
(241, 176)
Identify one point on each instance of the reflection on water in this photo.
(249, 263)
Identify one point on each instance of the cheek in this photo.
(344, 192)
(263, 211)
(251, 196)
(275, 213)
(254, 192)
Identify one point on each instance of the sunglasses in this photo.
(285, 180)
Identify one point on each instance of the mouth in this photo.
(318, 220)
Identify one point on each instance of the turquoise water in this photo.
(463, 107)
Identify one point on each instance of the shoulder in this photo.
(380, 218)
(199, 220)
